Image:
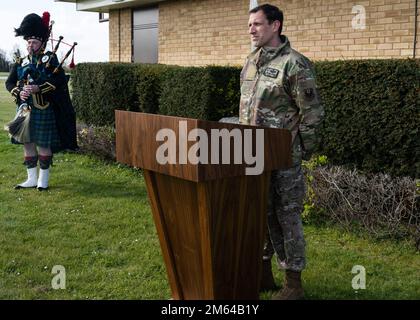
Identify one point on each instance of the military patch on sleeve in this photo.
(309, 94)
(301, 64)
(271, 72)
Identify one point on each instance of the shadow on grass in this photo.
(98, 189)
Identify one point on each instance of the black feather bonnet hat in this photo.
(35, 27)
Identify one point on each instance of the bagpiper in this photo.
(38, 84)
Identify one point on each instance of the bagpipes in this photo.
(45, 20)
(54, 53)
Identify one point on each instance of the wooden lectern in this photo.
(210, 218)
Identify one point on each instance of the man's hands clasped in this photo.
(27, 91)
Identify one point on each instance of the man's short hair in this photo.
(272, 14)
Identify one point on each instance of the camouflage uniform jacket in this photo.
(278, 90)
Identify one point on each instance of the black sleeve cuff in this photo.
(15, 92)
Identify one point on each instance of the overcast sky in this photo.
(75, 26)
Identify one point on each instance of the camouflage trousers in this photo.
(285, 231)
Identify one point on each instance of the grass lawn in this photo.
(96, 222)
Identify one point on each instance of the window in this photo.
(145, 35)
(103, 17)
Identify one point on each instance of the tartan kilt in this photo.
(43, 129)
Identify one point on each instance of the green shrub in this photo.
(148, 89)
(372, 114)
(207, 93)
(100, 88)
(312, 214)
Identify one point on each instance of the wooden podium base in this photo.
(210, 233)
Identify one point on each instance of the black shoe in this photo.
(20, 187)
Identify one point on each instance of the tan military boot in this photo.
(293, 287)
(267, 279)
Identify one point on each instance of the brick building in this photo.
(202, 32)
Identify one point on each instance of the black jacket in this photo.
(59, 98)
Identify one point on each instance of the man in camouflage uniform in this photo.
(278, 90)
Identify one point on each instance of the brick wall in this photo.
(202, 32)
(323, 29)
(120, 34)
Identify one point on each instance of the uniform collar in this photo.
(265, 54)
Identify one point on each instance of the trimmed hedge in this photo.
(149, 85)
(372, 106)
(100, 88)
(372, 112)
(208, 93)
